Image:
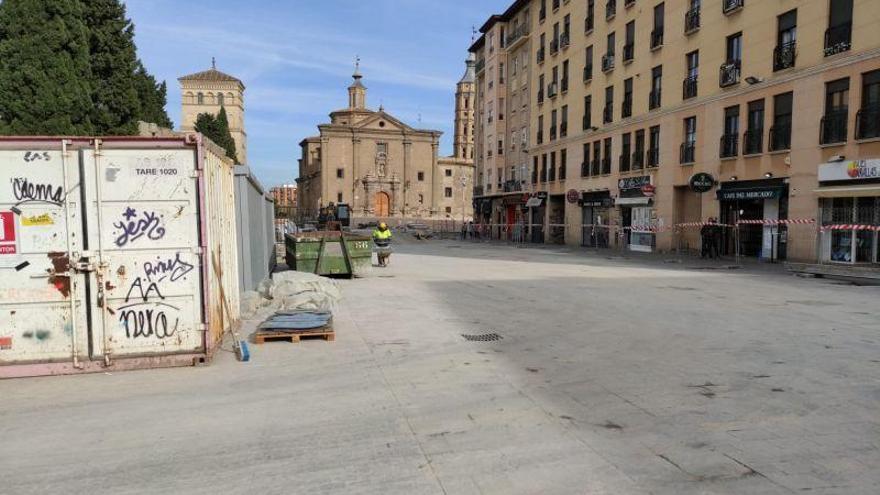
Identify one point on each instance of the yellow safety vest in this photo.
(378, 234)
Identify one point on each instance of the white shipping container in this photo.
(104, 255)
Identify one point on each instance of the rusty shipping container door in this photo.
(100, 255)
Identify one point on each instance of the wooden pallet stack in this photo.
(293, 326)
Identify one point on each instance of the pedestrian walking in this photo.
(463, 230)
(715, 245)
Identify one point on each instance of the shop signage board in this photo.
(628, 183)
(573, 196)
(7, 233)
(701, 182)
(748, 194)
(849, 170)
(648, 190)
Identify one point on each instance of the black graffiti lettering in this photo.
(174, 269)
(143, 323)
(142, 294)
(25, 190)
(135, 226)
(32, 156)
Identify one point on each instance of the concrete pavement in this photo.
(612, 376)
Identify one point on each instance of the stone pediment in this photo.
(384, 122)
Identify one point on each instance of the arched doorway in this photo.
(382, 204)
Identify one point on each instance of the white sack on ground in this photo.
(291, 290)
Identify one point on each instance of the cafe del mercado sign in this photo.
(850, 170)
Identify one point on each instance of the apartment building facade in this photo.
(647, 118)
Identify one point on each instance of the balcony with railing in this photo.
(607, 62)
(780, 137)
(654, 98)
(552, 90)
(653, 158)
(692, 20)
(638, 160)
(542, 55)
(518, 34)
(753, 142)
(731, 6)
(610, 9)
(868, 122)
(596, 167)
(629, 51)
(564, 40)
(552, 133)
(563, 129)
(540, 95)
(729, 73)
(481, 64)
(624, 162)
(729, 146)
(833, 127)
(656, 38)
(607, 114)
(585, 169)
(588, 72)
(626, 108)
(784, 56)
(606, 165)
(687, 153)
(554, 46)
(563, 84)
(838, 39)
(689, 88)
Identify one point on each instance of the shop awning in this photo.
(848, 191)
(534, 202)
(633, 201)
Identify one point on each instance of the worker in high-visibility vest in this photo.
(382, 239)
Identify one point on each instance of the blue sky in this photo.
(296, 58)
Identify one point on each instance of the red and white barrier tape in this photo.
(790, 221)
(848, 226)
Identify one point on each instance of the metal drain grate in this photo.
(483, 337)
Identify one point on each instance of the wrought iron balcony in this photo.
(689, 88)
(653, 158)
(628, 52)
(540, 95)
(753, 141)
(554, 46)
(729, 145)
(607, 62)
(638, 160)
(607, 114)
(838, 39)
(868, 122)
(784, 55)
(588, 72)
(563, 129)
(656, 38)
(626, 108)
(517, 34)
(481, 64)
(780, 137)
(606, 165)
(729, 73)
(833, 127)
(552, 90)
(552, 132)
(654, 98)
(563, 84)
(692, 20)
(610, 9)
(585, 169)
(624, 162)
(731, 6)
(688, 153)
(564, 40)
(596, 166)
(542, 54)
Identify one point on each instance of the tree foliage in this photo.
(216, 128)
(71, 67)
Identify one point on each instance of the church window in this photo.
(421, 176)
(448, 172)
(381, 123)
(340, 173)
(421, 199)
(448, 192)
(200, 99)
(448, 209)
(339, 197)
(220, 99)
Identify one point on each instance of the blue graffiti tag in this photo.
(135, 226)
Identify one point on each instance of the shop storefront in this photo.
(537, 211)
(595, 218)
(557, 219)
(756, 200)
(849, 207)
(637, 216)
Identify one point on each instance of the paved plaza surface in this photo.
(612, 375)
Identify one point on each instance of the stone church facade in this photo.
(381, 167)
(209, 91)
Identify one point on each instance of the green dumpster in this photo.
(331, 253)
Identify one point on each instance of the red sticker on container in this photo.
(5, 343)
(7, 233)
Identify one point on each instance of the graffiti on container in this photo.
(134, 226)
(173, 269)
(144, 317)
(33, 156)
(26, 191)
(40, 335)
